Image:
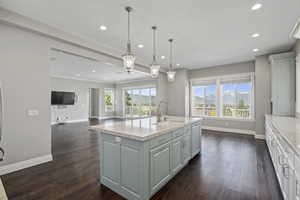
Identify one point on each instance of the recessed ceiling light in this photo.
(163, 57)
(103, 28)
(78, 75)
(177, 64)
(94, 71)
(256, 6)
(255, 50)
(140, 46)
(255, 35)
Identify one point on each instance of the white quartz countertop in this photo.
(289, 129)
(144, 129)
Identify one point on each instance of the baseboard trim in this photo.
(231, 130)
(71, 121)
(25, 164)
(259, 137)
(106, 117)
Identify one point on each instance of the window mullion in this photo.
(219, 106)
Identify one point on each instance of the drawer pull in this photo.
(273, 142)
(286, 173)
(280, 159)
(297, 184)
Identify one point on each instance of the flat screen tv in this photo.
(62, 98)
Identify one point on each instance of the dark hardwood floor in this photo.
(231, 167)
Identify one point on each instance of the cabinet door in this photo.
(177, 155)
(186, 149)
(131, 170)
(195, 139)
(110, 173)
(160, 166)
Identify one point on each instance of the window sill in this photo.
(227, 118)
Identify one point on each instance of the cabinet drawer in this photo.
(177, 133)
(160, 140)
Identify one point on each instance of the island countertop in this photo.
(144, 129)
(289, 129)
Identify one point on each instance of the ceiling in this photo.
(206, 32)
(66, 65)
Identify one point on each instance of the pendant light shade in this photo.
(171, 76)
(171, 73)
(128, 57)
(154, 70)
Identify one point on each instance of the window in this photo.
(139, 102)
(225, 97)
(204, 98)
(109, 100)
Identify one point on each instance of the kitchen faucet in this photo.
(158, 112)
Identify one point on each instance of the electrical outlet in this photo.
(32, 112)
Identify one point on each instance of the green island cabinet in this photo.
(137, 169)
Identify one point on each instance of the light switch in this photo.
(32, 112)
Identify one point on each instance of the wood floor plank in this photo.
(231, 167)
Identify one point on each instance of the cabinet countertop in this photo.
(289, 128)
(144, 129)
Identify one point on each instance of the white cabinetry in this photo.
(283, 78)
(285, 160)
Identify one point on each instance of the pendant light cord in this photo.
(154, 44)
(128, 9)
(171, 54)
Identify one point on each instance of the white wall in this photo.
(262, 92)
(25, 76)
(24, 73)
(177, 93)
(80, 110)
(230, 69)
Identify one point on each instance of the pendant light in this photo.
(128, 57)
(171, 73)
(154, 66)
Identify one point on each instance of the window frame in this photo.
(136, 88)
(217, 80)
(113, 100)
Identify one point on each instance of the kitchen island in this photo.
(138, 157)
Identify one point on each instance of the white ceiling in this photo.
(206, 32)
(65, 65)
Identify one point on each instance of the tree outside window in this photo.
(109, 100)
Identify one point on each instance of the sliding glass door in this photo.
(139, 102)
